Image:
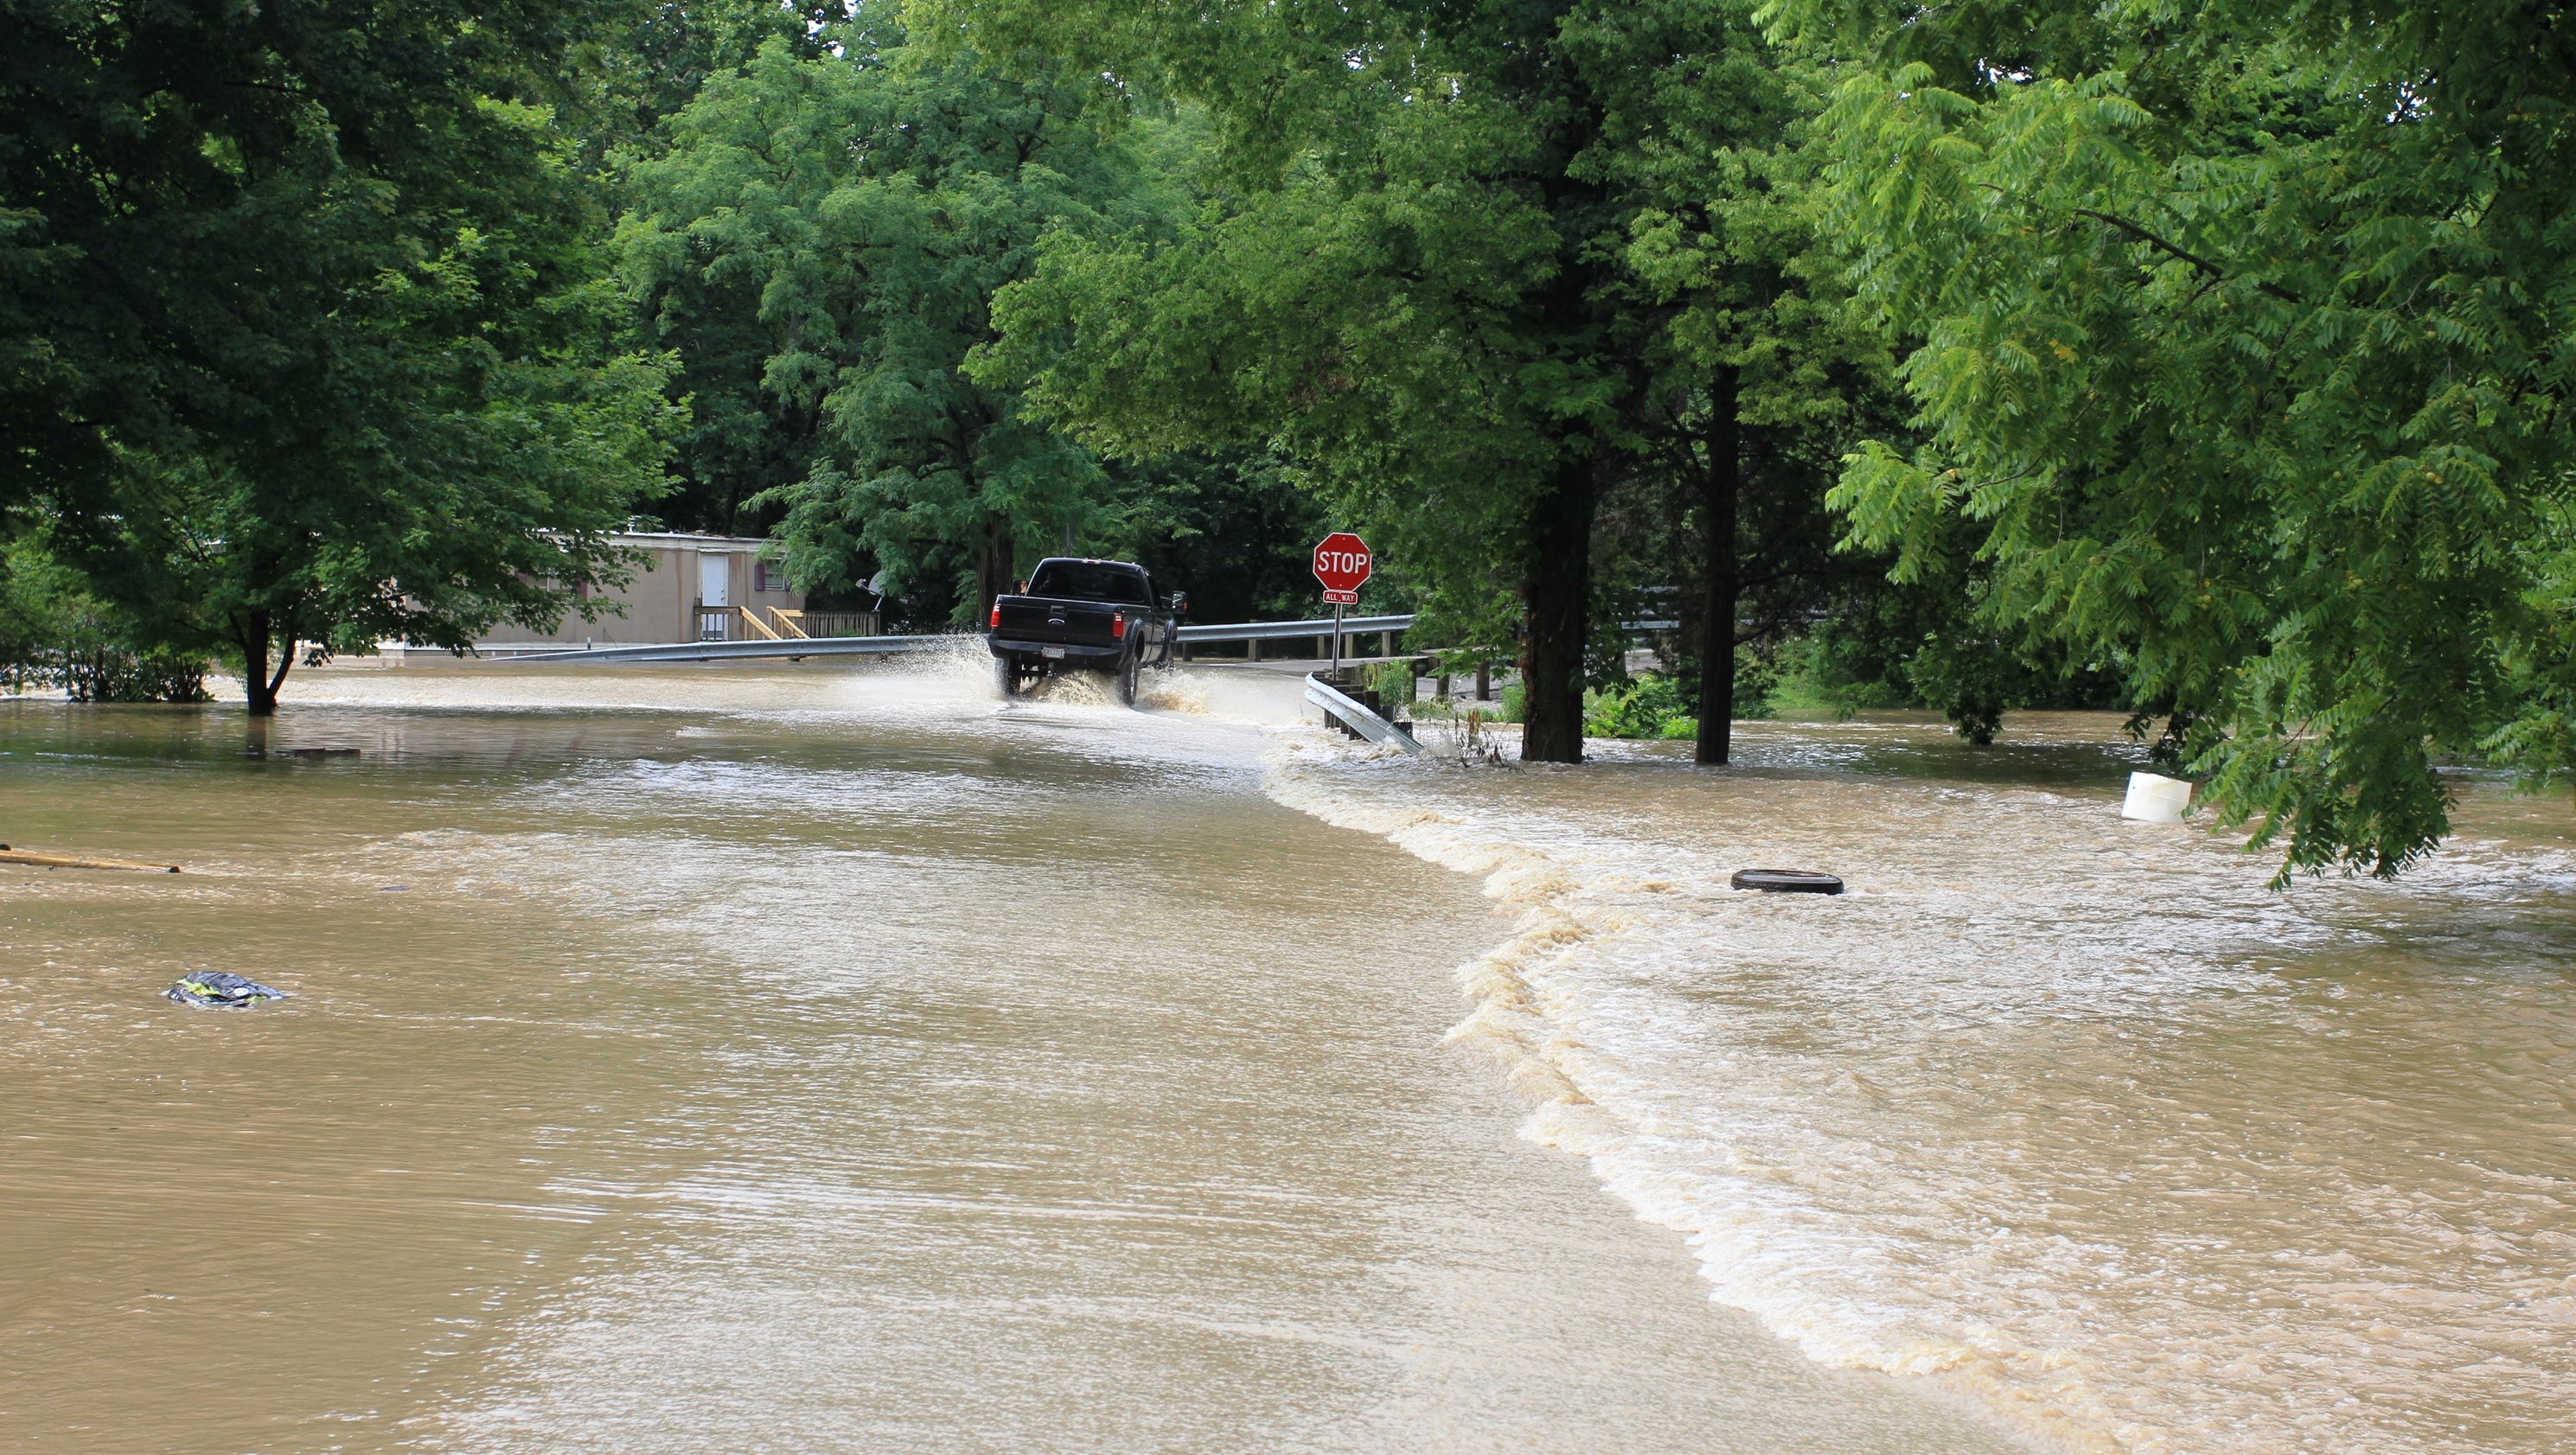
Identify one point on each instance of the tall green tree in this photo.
(304, 337)
(2243, 337)
(738, 441)
(666, 51)
(856, 212)
(1771, 371)
(1474, 268)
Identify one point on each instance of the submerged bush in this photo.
(118, 674)
(54, 634)
(1661, 706)
(1650, 707)
(1393, 683)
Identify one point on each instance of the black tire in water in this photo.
(1786, 881)
(1006, 673)
(1127, 679)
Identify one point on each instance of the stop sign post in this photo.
(1343, 564)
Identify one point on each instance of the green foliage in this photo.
(1666, 705)
(667, 50)
(1234, 531)
(1970, 679)
(55, 634)
(1475, 272)
(1278, 321)
(848, 217)
(1653, 706)
(2242, 341)
(1394, 684)
(1757, 684)
(304, 332)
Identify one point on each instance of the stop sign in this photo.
(1342, 564)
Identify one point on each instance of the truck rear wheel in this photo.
(1006, 674)
(1127, 678)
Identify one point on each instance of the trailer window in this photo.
(1090, 581)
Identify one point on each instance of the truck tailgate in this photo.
(1039, 619)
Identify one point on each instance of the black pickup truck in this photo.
(1075, 612)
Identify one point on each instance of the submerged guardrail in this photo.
(1357, 716)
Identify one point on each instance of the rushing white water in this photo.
(2067, 1113)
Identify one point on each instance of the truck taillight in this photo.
(997, 613)
(1118, 623)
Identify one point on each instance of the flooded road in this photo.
(800, 1061)
(2066, 1114)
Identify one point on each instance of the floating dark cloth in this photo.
(214, 987)
(1786, 881)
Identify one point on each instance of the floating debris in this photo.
(2154, 798)
(1786, 881)
(218, 988)
(75, 861)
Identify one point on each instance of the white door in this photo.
(715, 580)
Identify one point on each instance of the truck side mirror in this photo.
(1180, 601)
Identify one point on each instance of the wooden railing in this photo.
(777, 624)
(837, 623)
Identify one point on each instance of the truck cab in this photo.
(1082, 612)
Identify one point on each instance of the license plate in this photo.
(1050, 651)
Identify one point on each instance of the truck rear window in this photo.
(1084, 581)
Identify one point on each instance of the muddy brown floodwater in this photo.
(2069, 1115)
(734, 1060)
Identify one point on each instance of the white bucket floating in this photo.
(2156, 799)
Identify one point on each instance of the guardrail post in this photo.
(1252, 650)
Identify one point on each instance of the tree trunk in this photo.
(257, 680)
(1719, 487)
(992, 562)
(1558, 591)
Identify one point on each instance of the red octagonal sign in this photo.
(1342, 564)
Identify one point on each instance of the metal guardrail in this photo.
(737, 651)
(723, 651)
(710, 651)
(1362, 721)
(1248, 631)
(1265, 631)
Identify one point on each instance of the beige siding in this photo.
(661, 601)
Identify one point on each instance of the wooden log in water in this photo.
(75, 861)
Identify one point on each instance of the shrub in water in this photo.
(1650, 707)
(1393, 682)
(54, 634)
